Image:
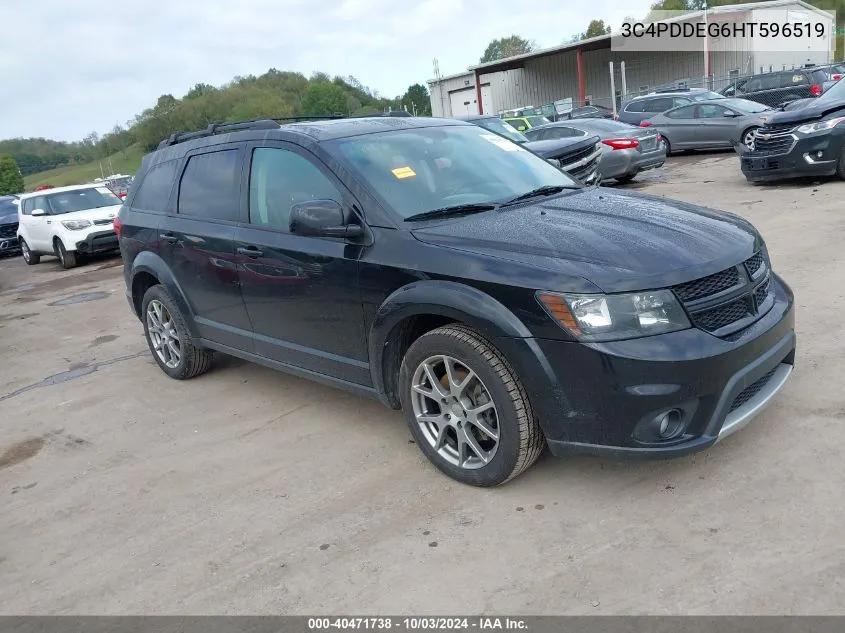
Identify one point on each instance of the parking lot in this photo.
(250, 491)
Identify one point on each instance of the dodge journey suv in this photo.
(454, 275)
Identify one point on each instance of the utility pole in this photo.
(706, 83)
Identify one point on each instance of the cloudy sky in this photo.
(67, 68)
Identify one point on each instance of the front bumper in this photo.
(9, 246)
(98, 242)
(602, 398)
(813, 155)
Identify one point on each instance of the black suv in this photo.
(448, 272)
(9, 226)
(809, 141)
(777, 88)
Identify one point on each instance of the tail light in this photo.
(122, 195)
(621, 143)
(645, 124)
(815, 90)
(117, 226)
(615, 117)
(836, 77)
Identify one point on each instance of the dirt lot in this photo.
(248, 491)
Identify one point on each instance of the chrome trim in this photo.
(583, 161)
(739, 418)
(811, 161)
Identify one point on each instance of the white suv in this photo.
(67, 222)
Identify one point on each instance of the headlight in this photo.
(809, 128)
(75, 225)
(597, 317)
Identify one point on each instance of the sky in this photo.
(70, 68)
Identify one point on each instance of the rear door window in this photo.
(770, 81)
(154, 192)
(660, 104)
(682, 113)
(635, 106)
(209, 187)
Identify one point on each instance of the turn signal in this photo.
(559, 311)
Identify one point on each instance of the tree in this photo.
(507, 47)
(595, 28)
(324, 98)
(417, 100)
(11, 180)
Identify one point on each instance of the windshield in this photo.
(422, 169)
(743, 105)
(497, 125)
(8, 210)
(536, 121)
(706, 96)
(81, 200)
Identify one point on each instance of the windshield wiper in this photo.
(545, 190)
(458, 209)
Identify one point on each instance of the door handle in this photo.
(49, 221)
(249, 251)
(169, 238)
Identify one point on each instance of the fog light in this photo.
(819, 154)
(669, 422)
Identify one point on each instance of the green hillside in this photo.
(125, 162)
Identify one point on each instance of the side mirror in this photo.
(37, 212)
(322, 218)
(730, 114)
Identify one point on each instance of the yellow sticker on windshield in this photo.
(404, 172)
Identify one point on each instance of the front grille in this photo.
(761, 293)
(753, 263)
(751, 390)
(9, 230)
(707, 286)
(776, 129)
(774, 145)
(727, 298)
(723, 315)
(568, 159)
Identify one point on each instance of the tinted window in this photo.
(8, 208)
(209, 187)
(635, 106)
(752, 85)
(710, 111)
(154, 192)
(660, 104)
(793, 79)
(681, 113)
(79, 200)
(768, 82)
(421, 169)
(280, 179)
(497, 125)
(820, 76)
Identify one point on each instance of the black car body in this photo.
(578, 157)
(806, 141)
(595, 320)
(9, 226)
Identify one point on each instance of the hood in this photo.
(619, 241)
(561, 146)
(101, 213)
(815, 109)
(9, 218)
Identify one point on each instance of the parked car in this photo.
(9, 226)
(776, 88)
(807, 141)
(68, 222)
(587, 112)
(644, 107)
(626, 149)
(496, 301)
(522, 123)
(710, 124)
(578, 157)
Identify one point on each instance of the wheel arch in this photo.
(421, 307)
(149, 269)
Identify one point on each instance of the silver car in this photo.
(710, 124)
(626, 149)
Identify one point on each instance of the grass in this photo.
(126, 162)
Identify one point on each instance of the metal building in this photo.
(580, 72)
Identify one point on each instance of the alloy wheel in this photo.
(455, 412)
(748, 139)
(163, 334)
(25, 251)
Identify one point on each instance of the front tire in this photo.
(467, 409)
(66, 257)
(169, 339)
(28, 256)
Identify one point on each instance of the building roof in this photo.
(604, 41)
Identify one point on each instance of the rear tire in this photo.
(28, 256)
(66, 258)
(169, 338)
(474, 423)
(667, 146)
